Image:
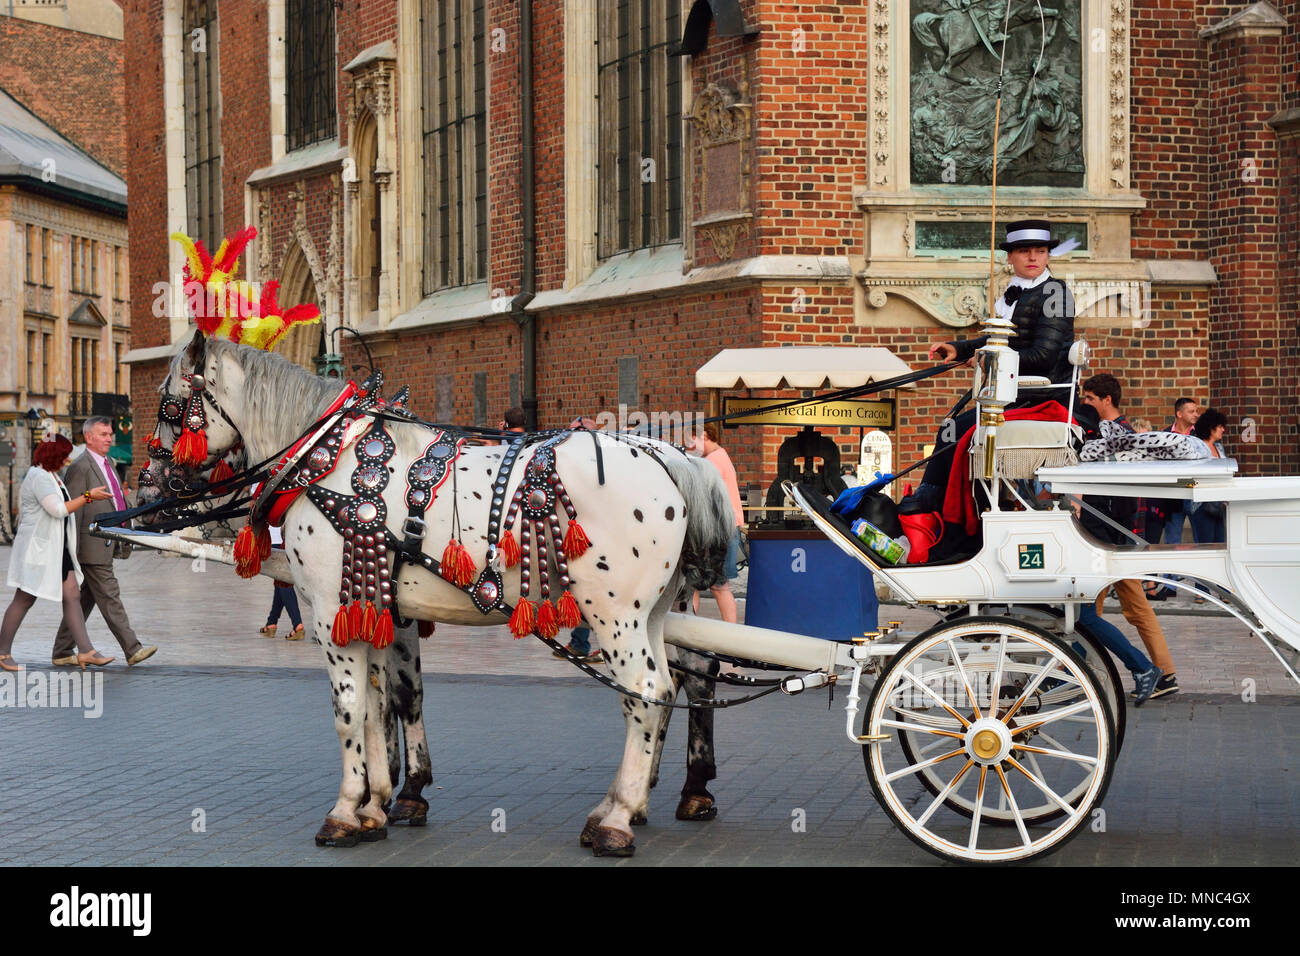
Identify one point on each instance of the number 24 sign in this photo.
(1031, 557)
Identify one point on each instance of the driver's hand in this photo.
(943, 351)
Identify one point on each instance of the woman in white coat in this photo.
(44, 558)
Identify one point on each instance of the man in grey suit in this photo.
(99, 589)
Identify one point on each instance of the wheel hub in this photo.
(988, 741)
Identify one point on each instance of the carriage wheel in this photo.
(1008, 721)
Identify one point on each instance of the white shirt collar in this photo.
(1031, 283)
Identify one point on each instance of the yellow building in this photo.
(64, 310)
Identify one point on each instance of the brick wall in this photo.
(1245, 336)
(811, 95)
(71, 80)
(146, 173)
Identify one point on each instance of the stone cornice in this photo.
(1287, 123)
(1258, 19)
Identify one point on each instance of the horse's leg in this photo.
(696, 802)
(639, 664)
(348, 686)
(655, 631)
(379, 782)
(406, 703)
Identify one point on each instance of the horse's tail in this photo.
(710, 521)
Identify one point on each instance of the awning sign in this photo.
(875, 413)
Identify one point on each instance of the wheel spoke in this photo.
(920, 729)
(961, 672)
(1063, 754)
(941, 702)
(1051, 715)
(914, 768)
(1031, 687)
(943, 794)
(1015, 810)
(1051, 794)
(925, 718)
(996, 691)
(979, 810)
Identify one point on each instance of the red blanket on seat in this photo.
(959, 502)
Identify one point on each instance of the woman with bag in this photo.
(43, 563)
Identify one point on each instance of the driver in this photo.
(1041, 310)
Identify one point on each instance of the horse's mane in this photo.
(283, 397)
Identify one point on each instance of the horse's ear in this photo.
(196, 349)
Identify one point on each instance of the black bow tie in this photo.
(1012, 294)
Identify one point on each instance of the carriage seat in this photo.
(1024, 446)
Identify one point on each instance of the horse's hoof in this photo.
(588, 837)
(610, 842)
(372, 831)
(338, 834)
(640, 819)
(413, 813)
(696, 807)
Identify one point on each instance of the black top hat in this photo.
(1027, 233)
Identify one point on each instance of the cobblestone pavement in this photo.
(227, 728)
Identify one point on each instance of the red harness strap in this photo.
(286, 497)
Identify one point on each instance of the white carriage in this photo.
(991, 737)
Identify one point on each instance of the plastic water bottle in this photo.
(889, 550)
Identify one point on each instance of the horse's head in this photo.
(195, 445)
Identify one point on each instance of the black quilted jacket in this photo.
(1044, 321)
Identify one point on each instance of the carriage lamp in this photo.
(996, 369)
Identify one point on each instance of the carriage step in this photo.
(873, 738)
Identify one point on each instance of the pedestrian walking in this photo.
(707, 445)
(99, 585)
(284, 598)
(43, 563)
(1104, 394)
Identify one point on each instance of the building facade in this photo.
(578, 203)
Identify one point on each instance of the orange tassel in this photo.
(425, 629)
(548, 620)
(248, 561)
(339, 633)
(369, 621)
(191, 449)
(524, 618)
(576, 541)
(510, 549)
(383, 631)
(223, 472)
(570, 616)
(355, 611)
(264, 543)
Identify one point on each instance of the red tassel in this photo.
(264, 543)
(339, 634)
(369, 622)
(524, 618)
(222, 472)
(576, 541)
(570, 616)
(465, 568)
(426, 629)
(355, 610)
(248, 561)
(510, 549)
(548, 620)
(450, 562)
(191, 449)
(383, 631)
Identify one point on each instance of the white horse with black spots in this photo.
(654, 505)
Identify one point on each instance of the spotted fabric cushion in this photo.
(1119, 444)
